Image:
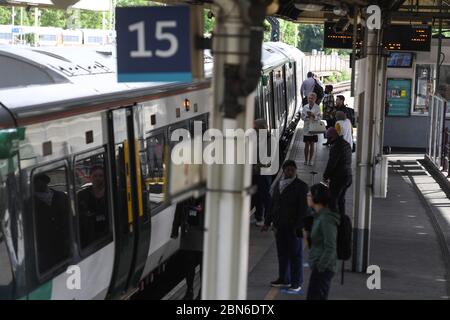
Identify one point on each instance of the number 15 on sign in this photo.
(153, 44)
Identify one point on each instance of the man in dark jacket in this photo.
(339, 170)
(287, 210)
(349, 112)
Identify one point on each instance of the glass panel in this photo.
(155, 181)
(444, 82)
(51, 218)
(424, 87)
(91, 187)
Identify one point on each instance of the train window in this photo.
(51, 209)
(92, 204)
(155, 182)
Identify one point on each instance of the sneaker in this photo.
(305, 163)
(279, 284)
(260, 223)
(293, 289)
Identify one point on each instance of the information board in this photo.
(398, 97)
(407, 38)
(153, 44)
(340, 40)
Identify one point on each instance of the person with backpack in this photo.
(323, 250)
(311, 84)
(349, 112)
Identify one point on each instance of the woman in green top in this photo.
(323, 255)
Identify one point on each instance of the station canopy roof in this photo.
(320, 11)
(93, 5)
(399, 11)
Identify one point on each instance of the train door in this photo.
(142, 214)
(124, 225)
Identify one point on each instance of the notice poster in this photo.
(399, 97)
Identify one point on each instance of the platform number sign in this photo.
(153, 44)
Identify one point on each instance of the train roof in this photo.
(57, 78)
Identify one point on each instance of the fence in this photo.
(327, 63)
(438, 140)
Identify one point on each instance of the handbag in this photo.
(316, 127)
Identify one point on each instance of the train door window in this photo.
(269, 103)
(92, 201)
(156, 179)
(51, 212)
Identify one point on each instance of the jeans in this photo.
(319, 284)
(338, 188)
(290, 256)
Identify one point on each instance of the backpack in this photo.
(318, 90)
(344, 242)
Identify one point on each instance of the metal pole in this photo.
(439, 53)
(365, 157)
(36, 25)
(13, 14)
(225, 255)
(353, 57)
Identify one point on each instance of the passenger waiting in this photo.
(338, 173)
(344, 127)
(261, 199)
(310, 113)
(323, 253)
(287, 212)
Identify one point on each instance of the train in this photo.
(52, 36)
(84, 170)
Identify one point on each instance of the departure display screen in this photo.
(407, 38)
(335, 39)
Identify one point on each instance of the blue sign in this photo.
(16, 30)
(153, 44)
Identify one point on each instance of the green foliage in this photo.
(209, 22)
(310, 38)
(289, 32)
(5, 15)
(52, 18)
(133, 3)
(91, 20)
(337, 77)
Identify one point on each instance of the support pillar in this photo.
(369, 107)
(236, 40)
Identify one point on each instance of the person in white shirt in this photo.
(344, 127)
(310, 113)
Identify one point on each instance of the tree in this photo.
(52, 18)
(5, 15)
(209, 22)
(289, 32)
(310, 38)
